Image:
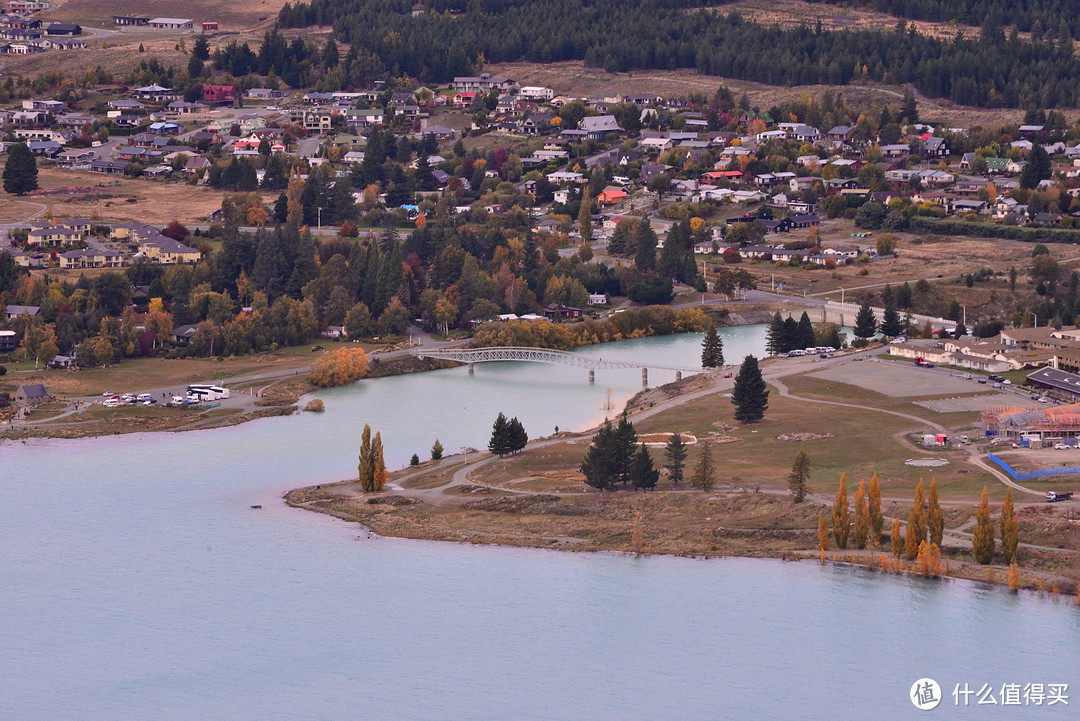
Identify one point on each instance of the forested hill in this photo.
(1041, 18)
(450, 36)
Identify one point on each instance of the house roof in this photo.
(35, 390)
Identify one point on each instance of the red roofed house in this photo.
(611, 196)
(219, 93)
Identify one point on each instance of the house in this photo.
(12, 312)
(365, 118)
(171, 24)
(841, 133)
(597, 127)
(598, 299)
(264, 94)
(156, 93)
(556, 311)
(318, 120)
(184, 108)
(536, 124)
(182, 334)
(63, 29)
(126, 105)
(9, 341)
(482, 83)
(31, 395)
(934, 147)
(895, 150)
(89, 258)
(130, 20)
(209, 26)
(611, 196)
(219, 93)
(165, 250)
(441, 132)
(111, 167)
(531, 92)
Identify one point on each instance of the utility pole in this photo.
(320, 220)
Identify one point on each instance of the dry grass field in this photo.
(238, 15)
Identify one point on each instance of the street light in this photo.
(320, 220)
(1036, 318)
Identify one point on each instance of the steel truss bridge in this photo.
(541, 355)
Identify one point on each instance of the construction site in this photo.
(1033, 427)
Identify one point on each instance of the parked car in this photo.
(982, 380)
(1061, 447)
(110, 402)
(1007, 382)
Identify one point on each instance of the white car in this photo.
(107, 394)
(110, 403)
(1061, 447)
(1007, 382)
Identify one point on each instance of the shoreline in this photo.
(867, 560)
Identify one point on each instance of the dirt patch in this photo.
(896, 380)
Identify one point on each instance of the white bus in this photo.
(208, 392)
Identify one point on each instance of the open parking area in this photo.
(897, 380)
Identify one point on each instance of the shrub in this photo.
(339, 367)
(315, 405)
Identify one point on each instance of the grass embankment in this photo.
(538, 497)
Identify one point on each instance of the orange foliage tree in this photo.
(338, 367)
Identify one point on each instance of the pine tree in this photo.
(982, 537)
(516, 434)
(891, 323)
(599, 464)
(805, 338)
(436, 450)
(712, 349)
(862, 517)
(935, 521)
(675, 455)
(642, 473)
(500, 436)
(1010, 529)
(897, 539)
(877, 521)
(865, 321)
(841, 519)
(625, 439)
(800, 473)
(703, 472)
(774, 336)
(750, 394)
(414, 460)
(20, 170)
(644, 243)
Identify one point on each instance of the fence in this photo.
(1031, 475)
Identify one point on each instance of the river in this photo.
(138, 583)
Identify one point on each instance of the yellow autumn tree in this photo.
(840, 516)
(338, 367)
(877, 521)
(982, 537)
(862, 517)
(897, 539)
(935, 521)
(1010, 529)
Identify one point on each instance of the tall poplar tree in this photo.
(982, 537)
(935, 520)
(897, 539)
(862, 517)
(675, 457)
(1010, 529)
(877, 520)
(585, 218)
(372, 466)
(841, 518)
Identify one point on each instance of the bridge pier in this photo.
(644, 377)
(592, 376)
(470, 369)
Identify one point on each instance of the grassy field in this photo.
(135, 374)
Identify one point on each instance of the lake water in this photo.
(136, 582)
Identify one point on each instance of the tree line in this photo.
(988, 70)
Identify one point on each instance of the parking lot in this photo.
(898, 380)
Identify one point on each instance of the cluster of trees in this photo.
(633, 323)
(507, 436)
(612, 459)
(787, 334)
(339, 367)
(869, 522)
(982, 536)
(988, 70)
(372, 466)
